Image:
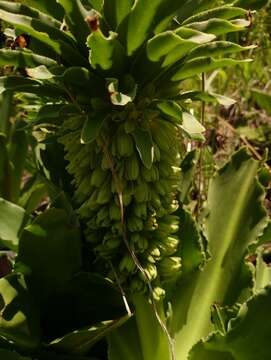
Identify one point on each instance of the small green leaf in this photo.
(192, 127)
(11, 221)
(144, 146)
(203, 64)
(49, 253)
(81, 341)
(23, 58)
(172, 109)
(92, 126)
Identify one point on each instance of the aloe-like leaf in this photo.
(19, 321)
(192, 249)
(51, 237)
(22, 58)
(56, 39)
(251, 4)
(11, 221)
(170, 45)
(75, 15)
(172, 109)
(141, 20)
(219, 26)
(192, 127)
(47, 6)
(144, 146)
(234, 196)
(263, 99)
(22, 9)
(203, 64)
(247, 336)
(217, 48)
(92, 126)
(106, 53)
(222, 12)
(12, 355)
(81, 341)
(115, 11)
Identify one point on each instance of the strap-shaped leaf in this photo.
(223, 12)
(92, 126)
(140, 22)
(54, 38)
(247, 337)
(171, 109)
(106, 53)
(48, 6)
(202, 64)
(219, 26)
(20, 84)
(208, 97)
(217, 48)
(171, 46)
(23, 58)
(75, 15)
(192, 7)
(144, 146)
(81, 341)
(251, 4)
(115, 11)
(21, 9)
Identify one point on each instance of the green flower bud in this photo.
(104, 194)
(125, 146)
(132, 168)
(169, 266)
(127, 263)
(98, 177)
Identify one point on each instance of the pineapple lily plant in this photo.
(104, 84)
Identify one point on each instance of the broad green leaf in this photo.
(144, 146)
(203, 64)
(49, 252)
(23, 58)
(172, 109)
(263, 99)
(56, 39)
(19, 321)
(219, 26)
(154, 343)
(82, 340)
(33, 12)
(234, 196)
(171, 45)
(248, 335)
(251, 4)
(11, 221)
(222, 12)
(106, 53)
(115, 11)
(75, 15)
(11, 355)
(124, 342)
(217, 48)
(96, 4)
(47, 6)
(92, 126)
(140, 21)
(27, 85)
(32, 196)
(191, 249)
(192, 127)
(192, 7)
